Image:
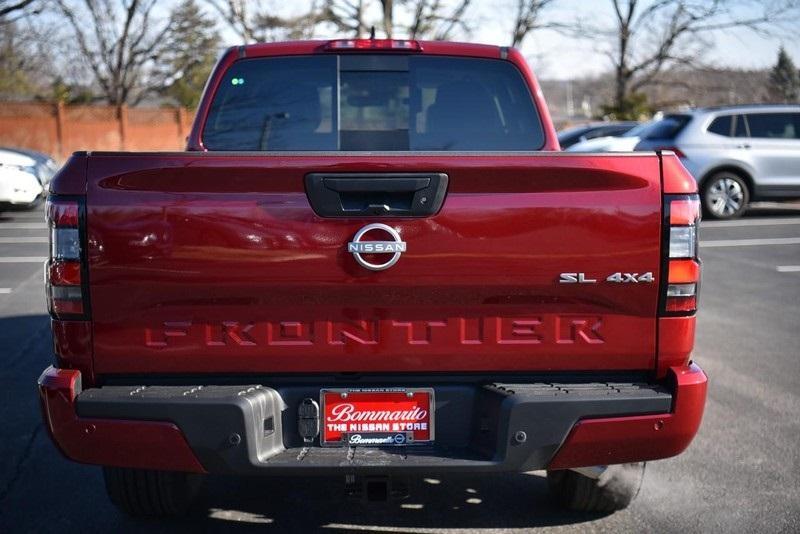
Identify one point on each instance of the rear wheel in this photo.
(725, 195)
(139, 492)
(613, 490)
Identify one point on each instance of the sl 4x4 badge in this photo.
(616, 278)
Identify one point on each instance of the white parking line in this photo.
(750, 222)
(750, 242)
(788, 268)
(22, 259)
(23, 226)
(29, 239)
(5, 290)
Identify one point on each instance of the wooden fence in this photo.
(60, 130)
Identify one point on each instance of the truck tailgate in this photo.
(216, 263)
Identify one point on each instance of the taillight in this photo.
(64, 273)
(681, 264)
(678, 152)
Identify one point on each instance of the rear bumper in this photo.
(251, 429)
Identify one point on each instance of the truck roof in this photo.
(371, 46)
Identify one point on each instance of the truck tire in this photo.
(724, 195)
(614, 490)
(139, 492)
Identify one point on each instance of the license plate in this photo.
(377, 417)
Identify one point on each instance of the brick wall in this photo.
(60, 130)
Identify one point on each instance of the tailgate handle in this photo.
(376, 185)
(376, 194)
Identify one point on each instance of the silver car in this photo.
(736, 153)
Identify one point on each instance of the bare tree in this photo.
(652, 36)
(14, 76)
(347, 16)
(10, 9)
(254, 22)
(119, 41)
(388, 17)
(237, 14)
(15, 60)
(29, 62)
(432, 19)
(529, 18)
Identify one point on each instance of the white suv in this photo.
(736, 153)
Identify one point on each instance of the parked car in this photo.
(737, 154)
(625, 142)
(20, 187)
(402, 275)
(584, 132)
(37, 163)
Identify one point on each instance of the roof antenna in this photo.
(372, 33)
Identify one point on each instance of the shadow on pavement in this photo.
(312, 504)
(8, 210)
(773, 209)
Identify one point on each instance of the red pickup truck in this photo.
(372, 260)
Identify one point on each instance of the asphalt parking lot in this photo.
(741, 474)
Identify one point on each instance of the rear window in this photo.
(667, 128)
(371, 103)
